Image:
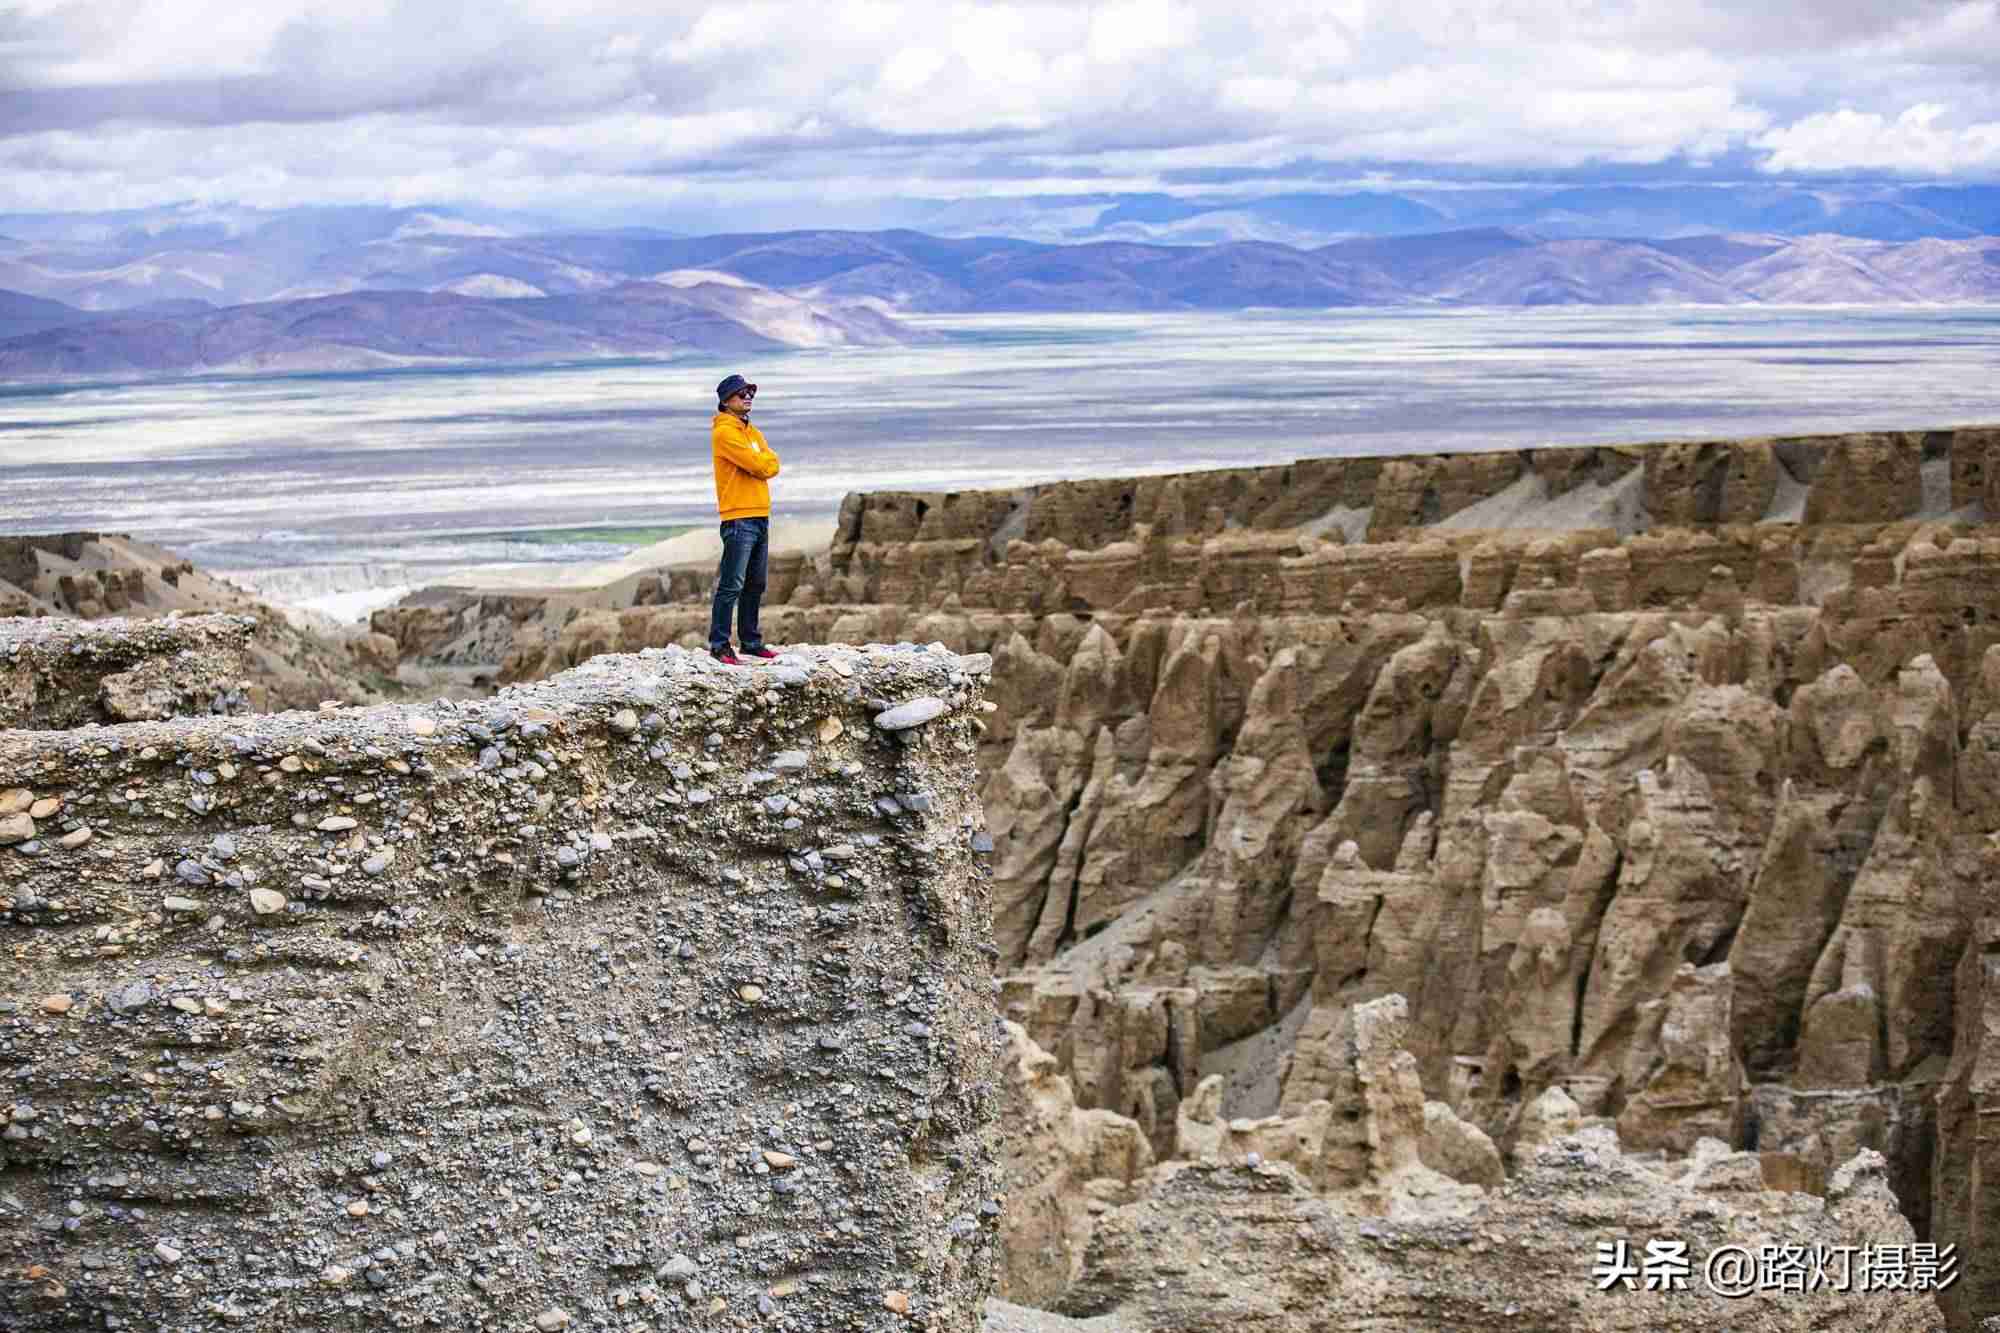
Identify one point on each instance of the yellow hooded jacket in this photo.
(743, 463)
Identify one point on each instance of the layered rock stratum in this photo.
(654, 995)
(1654, 777)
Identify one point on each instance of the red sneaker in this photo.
(761, 650)
(724, 656)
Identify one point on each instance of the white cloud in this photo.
(728, 32)
(911, 68)
(116, 43)
(1915, 142)
(1133, 29)
(503, 97)
(1261, 94)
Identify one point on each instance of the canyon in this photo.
(1658, 778)
(1405, 875)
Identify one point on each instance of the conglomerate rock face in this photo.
(63, 672)
(654, 995)
(1658, 778)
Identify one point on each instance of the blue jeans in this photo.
(739, 583)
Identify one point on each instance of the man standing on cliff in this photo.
(743, 464)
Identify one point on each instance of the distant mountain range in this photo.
(1307, 220)
(1598, 212)
(227, 254)
(375, 329)
(354, 288)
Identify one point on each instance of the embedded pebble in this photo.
(131, 998)
(912, 714)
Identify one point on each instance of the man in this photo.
(743, 464)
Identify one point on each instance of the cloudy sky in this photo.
(608, 106)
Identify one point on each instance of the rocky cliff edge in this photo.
(650, 994)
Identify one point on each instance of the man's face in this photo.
(739, 403)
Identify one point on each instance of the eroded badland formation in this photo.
(1405, 874)
(51, 679)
